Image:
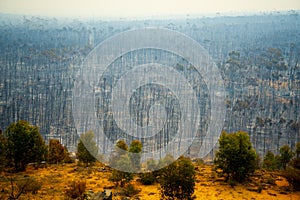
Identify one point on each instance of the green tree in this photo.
(235, 156)
(121, 144)
(24, 144)
(151, 164)
(273, 59)
(278, 163)
(286, 154)
(177, 180)
(87, 148)
(298, 150)
(121, 161)
(3, 152)
(269, 161)
(39, 148)
(56, 152)
(135, 149)
(122, 174)
(292, 173)
(152, 171)
(149, 177)
(120, 149)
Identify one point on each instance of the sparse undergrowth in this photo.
(76, 190)
(55, 181)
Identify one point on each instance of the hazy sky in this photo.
(136, 8)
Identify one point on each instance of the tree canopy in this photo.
(24, 144)
(177, 180)
(235, 156)
(135, 149)
(269, 161)
(3, 152)
(56, 153)
(87, 148)
(286, 154)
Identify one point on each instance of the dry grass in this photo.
(55, 180)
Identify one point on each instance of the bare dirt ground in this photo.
(55, 179)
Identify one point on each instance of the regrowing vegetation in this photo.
(42, 157)
(257, 56)
(235, 162)
(236, 156)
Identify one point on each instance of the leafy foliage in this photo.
(298, 150)
(121, 144)
(122, 162)
(38, 148)
(76, 190)
(269, 161)
(135, 149)
(292, 173)
(120, 149)
(19, 186)
(235, 156)
(24, 144)
(3, 152)
(130, 190)
(56, 152)
(278, 164)
(87, 148)
(273, 59)
(286, 154)
(148, 178)
(177, 181)
(29, 185)
(123, 175)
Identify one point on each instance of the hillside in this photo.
(55, 179)
(257, 57)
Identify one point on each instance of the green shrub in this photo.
(231, 182)
(298, 150)
(29, 185)
(177, 180)
(278, 163)
(148, 178)
(135, 150)
(130, 190)
(3, 152)
(56, 152)
(120, 177)
(87, 148)
(120, 149)
(269, 161)
(236, 156)
(24, 144)
(286, 154)
(69, 159)
(292, 174)
(122, 164)
(76, 190)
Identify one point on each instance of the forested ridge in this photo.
(258, 57)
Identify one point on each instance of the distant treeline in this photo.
(258, 57)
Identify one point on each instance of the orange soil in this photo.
(56, 178)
